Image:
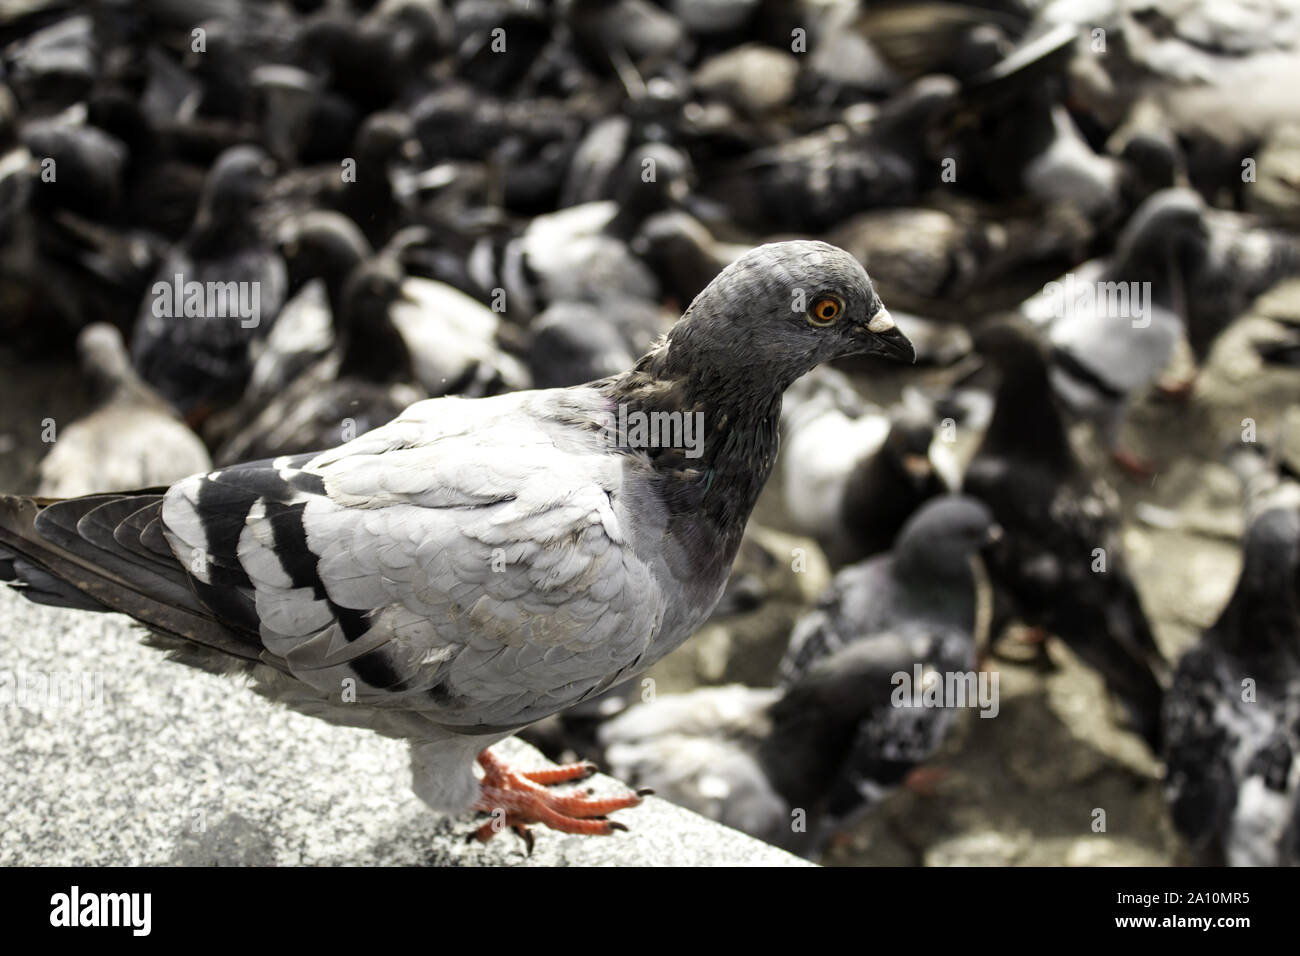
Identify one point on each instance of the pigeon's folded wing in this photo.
(465, 560)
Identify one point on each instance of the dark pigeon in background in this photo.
(915, 605)
(1232, 734)
(790, 765)
(1060, 522)
(200, 363)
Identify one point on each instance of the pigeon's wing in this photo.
(464, 561)
(860, 601)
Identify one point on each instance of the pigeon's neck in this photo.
(371, 348)
(1026, 422)
(218, 231)
(1259, 622)
(709, 430)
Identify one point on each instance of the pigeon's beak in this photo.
(883, 338)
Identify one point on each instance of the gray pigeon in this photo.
(1230, 717)
(193, 334)
(1061, 561)
(1178, 269)
(1114, 323)
(914, 608)
(833, 739)
(477, 564)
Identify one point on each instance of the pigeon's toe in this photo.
(517, 798)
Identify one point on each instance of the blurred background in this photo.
(232, 230)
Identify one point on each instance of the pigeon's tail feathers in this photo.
(107, 553)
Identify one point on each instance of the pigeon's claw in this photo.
(516, 798)
(563, 773)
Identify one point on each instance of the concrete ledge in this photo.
(150, 763)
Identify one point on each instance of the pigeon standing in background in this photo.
(476, 565)
(365, 381)
(1061, 560)
(132, 438)
(854, 474)
(915, 606)
(831, 741)
(815, 181)
(581, 254)
(1114, 323)
(754, 758)
(202, 361)
(1178, 269)
(885, 489)
(575, 342)
(1232, 714)
(1237, 260)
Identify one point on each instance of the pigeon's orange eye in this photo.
(825, 310)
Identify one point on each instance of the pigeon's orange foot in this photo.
(517, 798)
(1137, 468)
(1180, 390)
(924, 781)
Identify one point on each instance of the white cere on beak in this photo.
(882, 321)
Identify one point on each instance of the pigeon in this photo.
(854, 474)
(760, 760)
(812, 182)
(1232, 713)
(89, 165)
(916, 608)
(682, 254)
(476, 565)
(1237, 260)
(1210, 76)
(1178, 269)
(132, 438)
(831, 740)
(1061, 561)
(579, 253)
(826, 427)
(957, 255)
(364, 382)
(923, 582)
(571, 343)
(1114, 323)
(194, 347)
(883, 490)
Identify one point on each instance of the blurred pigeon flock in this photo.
(873, 425)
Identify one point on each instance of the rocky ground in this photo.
(1022, 788)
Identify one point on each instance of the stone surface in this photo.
(140, 761)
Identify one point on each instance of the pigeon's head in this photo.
(1271, 565)
(103, 356)
(373, 287)
(237, 180)
(321, 243)
(784, 308)
(1168, 229)
(1010, 343)
(388, 137)
(939, 540)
